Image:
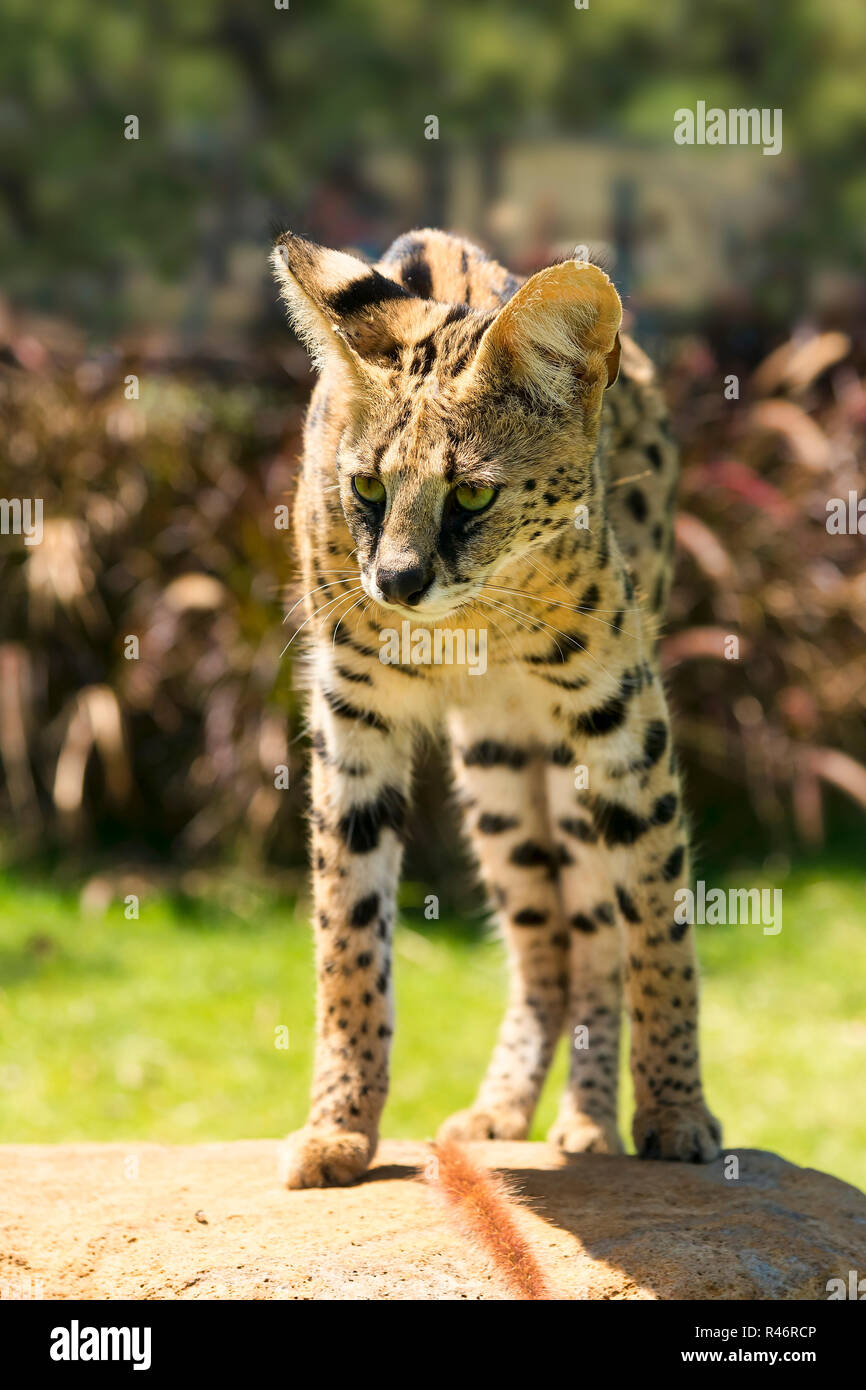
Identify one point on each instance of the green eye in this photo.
(368, 489)
(473, 499)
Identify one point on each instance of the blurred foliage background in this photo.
(152, 396)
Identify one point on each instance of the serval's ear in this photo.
(339, 305)
(557, 339)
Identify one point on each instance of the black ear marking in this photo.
(367, 292)
(334, 298)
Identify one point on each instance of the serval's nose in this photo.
(405, 583)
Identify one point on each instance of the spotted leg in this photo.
(635, 808)
(502, 788)
(361, 772)
(587, 1118)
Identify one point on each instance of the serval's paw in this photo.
(494, 1122)
(324, 1157)
(578, 1134)
(687, 1133)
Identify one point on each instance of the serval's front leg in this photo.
(635, 806)
(361, 774)
(501, 780)
(587, 1118)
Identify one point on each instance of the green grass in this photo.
(164, 1028)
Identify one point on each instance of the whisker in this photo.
(555, 580)
(554, 603)
(352, 573)
(529, 624)
(525, 621)
(328, 604)
(524, 624)
(345, 615)
(550, 576)
(560, 633)
(488, 618)
(329, 584)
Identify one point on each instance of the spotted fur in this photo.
(439, 368)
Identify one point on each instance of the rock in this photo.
(120, 1221)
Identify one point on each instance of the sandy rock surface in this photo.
(211, 1221)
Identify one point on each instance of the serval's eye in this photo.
(368, 489)
(473, 499)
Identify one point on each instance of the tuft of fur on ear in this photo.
(558, 337)
(338, 304)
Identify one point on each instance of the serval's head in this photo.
(467, 435)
